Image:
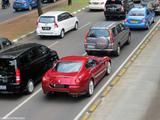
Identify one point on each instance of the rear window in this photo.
(98, 33)
(136, 13)
(114, 2)
(7, 66)
(68, 67)
(47, 19)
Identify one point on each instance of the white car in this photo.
(97, 4)
(56, 23)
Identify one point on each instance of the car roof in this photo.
(75, 58)
(53, 13)
(104, 25)
(16, 50)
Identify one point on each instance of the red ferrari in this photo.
(76, 74)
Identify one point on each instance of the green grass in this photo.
(76, 4)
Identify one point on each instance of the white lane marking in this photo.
(114, 74)
(35, 93)
(84, 26)
(20, 105)
(53, 44)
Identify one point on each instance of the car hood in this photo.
(62, 78)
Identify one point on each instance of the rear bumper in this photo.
(140, 25)
(96, 7)
(10, 88)
(114, 14)
(21, 7)
(40, 32)
(101, 50)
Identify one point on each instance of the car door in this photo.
(148, 17)
(71, 20)
(120, 35)
(125, 32)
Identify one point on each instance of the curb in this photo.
(33, 32)
(86, 113)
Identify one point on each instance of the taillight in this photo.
(126, 20)
(37, 21)
(86, 35)
(18, 77)
(143, 20)
(55, 25)
(111, 37)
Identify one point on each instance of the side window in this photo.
(118, 28)
(91, 63)
(68, 15)
(59, 18)
(114, 31)
(122, 26)
(62, 17)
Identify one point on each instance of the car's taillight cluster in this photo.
(55, 25)
(112, 39)
(18, 76)
(86, 35)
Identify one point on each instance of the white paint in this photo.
(84, 26)
(110, 79)
(53, 44)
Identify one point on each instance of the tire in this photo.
(30, 8)
(109, 68)
(76, 26)
(117, 51)
(129, 40)
(30, 87)
(41, 36)
(62, 34)
(90, 89)
(147, 26)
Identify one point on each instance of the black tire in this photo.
(30, 87)
(90, 89)
(41, 36)
(129, 40)
(62, 34)
(117, 51)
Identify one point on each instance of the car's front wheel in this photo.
(128, 40)
(90, 89)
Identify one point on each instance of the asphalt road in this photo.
(62, 106)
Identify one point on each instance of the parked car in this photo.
(140, 17)
(97, 4)
(152, 4)
(107, 37)
(76, 75)
(23, 65)
(4, 43)
(117, 8)
(48, 1)
(56, 23)
(24, 4)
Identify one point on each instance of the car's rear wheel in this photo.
(109, 68)
(118, 50)
(90, 89)
(129, 40)
(62, 34)
(30, 87)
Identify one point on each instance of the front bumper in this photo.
(114, 14)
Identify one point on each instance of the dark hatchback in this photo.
(23, 65)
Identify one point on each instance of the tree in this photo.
(39, 7)
(69, 2)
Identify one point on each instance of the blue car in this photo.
(24, 4)
(139, 17)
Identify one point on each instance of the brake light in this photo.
(111, 37)
(126, 20)
(55, 25)
(143, 20)
(86, 35)
(18, 77)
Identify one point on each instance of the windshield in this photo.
(98, 33)
(136, 13)
(68, 67)
(114, 2)
(47, 19)
(7, 66)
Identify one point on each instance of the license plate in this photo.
(133, 21)
(3, 87)
(91, 46)
(46, 28)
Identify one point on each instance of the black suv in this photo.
(23, 65)
(117, 8)
(107, 37)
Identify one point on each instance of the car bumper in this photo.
(21, 7)
(130, 25)
(54, 32)
(10, 88)
(96, 7)
(114, 14)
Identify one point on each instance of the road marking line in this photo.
(114, 74)
(53, 44)
(86, 116)
(84, 26)
(20, 105)
(95, 105)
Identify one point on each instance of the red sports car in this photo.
(76, 74)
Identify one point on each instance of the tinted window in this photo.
(118, 29)
(98, 33)
(122, 26)
(91, 63)
(7, 66)
(114, 31)
(47, 19)
(62, 17)
(114, 2)
(68, 67)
